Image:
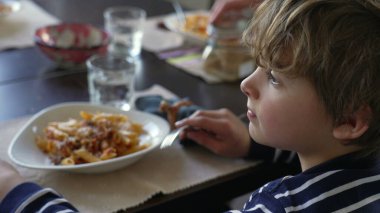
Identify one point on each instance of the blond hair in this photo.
(335, 44)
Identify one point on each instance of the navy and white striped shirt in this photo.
(345, 184)
(30, 197)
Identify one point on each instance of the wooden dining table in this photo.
(30, 82)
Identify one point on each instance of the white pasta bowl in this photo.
(23, 150)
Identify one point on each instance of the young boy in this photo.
(316, 92)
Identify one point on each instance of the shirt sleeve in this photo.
(30, 197)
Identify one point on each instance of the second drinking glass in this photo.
(125, 26)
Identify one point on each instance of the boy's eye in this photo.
(271, 78)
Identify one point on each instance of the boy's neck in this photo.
(310, 160)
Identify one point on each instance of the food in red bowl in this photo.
(71, 44)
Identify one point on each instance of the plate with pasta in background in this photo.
(86, 138)
(193, 27)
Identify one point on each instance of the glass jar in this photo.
(225, 56)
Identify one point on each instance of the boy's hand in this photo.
(9, 178)
(218, 130)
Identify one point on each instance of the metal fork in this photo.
(171, 137)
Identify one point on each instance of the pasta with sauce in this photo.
(95, 137)
(196, 24)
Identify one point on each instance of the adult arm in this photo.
(230, 10)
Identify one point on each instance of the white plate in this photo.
(173, 24)
(24, 151)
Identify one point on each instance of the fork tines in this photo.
(171, 137)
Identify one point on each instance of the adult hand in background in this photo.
(220, 131)
(229, 11)
(9, 178)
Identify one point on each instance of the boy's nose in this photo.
(249, 85)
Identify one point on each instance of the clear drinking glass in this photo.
(125, 26)
(110, 80)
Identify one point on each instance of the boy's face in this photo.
(284, 112)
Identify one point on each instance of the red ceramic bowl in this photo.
(71, 44)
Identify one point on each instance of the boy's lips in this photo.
(251, 114)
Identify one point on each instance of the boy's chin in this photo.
(253, 133)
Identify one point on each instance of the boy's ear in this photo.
(355, 126)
